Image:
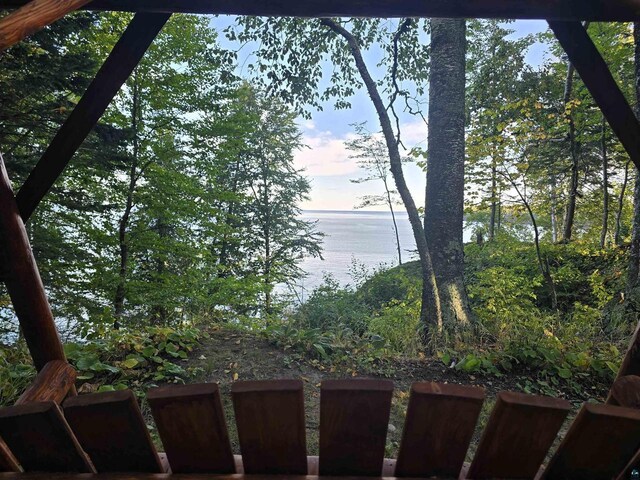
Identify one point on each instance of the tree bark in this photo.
(617, 235)
(605, 186)
(634, 254)
(123, 224)
(430, 311)
(494, 202)
(553, 200)
(444, 202)
(573, 148)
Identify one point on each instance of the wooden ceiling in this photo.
(594, 10)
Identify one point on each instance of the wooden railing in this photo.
(106, 433)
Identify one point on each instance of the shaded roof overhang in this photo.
(593, 10)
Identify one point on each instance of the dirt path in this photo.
(231, 355)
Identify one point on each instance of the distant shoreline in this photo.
(357, 212)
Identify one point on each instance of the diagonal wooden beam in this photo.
(24, 283)
(124, 57)
(32, 17)
(595, 74)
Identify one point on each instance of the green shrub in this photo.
(398, 323)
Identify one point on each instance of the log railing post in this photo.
(24, 283)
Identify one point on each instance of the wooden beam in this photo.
(124, 57)
(32, 17)
(52, 384)
(24, 283)
(595, 74)
(180, 476)
(594, 10)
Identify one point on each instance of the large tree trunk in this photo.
(430, 311)
(634, 255)
(444, 206)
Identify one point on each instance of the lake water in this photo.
(363, 237)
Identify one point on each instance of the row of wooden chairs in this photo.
(106, 432)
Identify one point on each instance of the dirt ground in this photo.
(230, 355)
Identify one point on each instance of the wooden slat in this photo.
(32, 17)
(595, 74)
(595, 10)
(271, 428)
(124, 57)
(110, 428)
(24, 283)
(52, 384)
(41, 439)
(438, 429)
(625, 392)
(8, 462)
(520, 431)
(354, 416)
(157, 476)
(600, 442)
(191, 424)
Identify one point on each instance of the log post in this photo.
(24, 283)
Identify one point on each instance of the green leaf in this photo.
(130, 363)
(564, 372)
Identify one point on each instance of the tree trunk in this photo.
(605, 186)
(123, 225)
(430, 311)
(617, 236)
(543, 263)
(494, 202)
(573, 148)
(444, 203)
(553, 198)
(393, 218)
(634, 254)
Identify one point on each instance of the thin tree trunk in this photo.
(430, 312)
(123, 225)
(494, 203)
(393, 218)
(444, 196)
(617, 236)
(553, 198)
(543, 263)
(605, 186)
(573, 148)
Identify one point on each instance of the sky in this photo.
(325, 159)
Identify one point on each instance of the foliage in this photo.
(137, 358)
(16, 372)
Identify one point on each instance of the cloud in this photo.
(326, 155)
